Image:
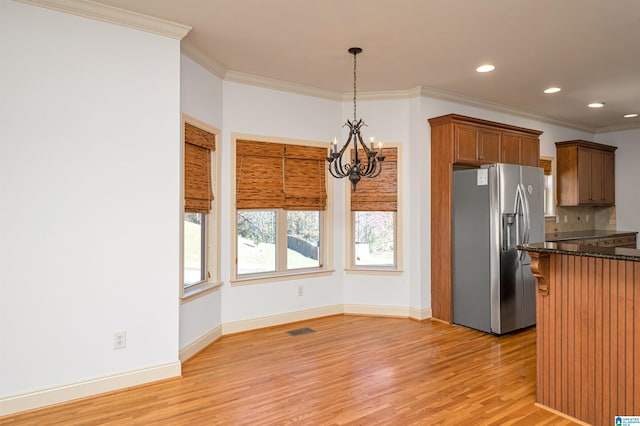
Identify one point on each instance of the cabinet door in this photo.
(608, 178)
(596, 176)
(466, 144)
(510, 149)
(584, 175)
(489, 147)
(530, 152)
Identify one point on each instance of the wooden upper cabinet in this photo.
(511, 149)
(489, 143)
(466, 144)
(608, 178)
(519, 149)
(586, 173)
(473, 145)
(530, 152)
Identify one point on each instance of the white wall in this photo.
(201, 98)
(387, 121)
(89, 183)
(265, 112)
(627, 176)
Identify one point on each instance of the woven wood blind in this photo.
(304, 178)
(379, 193)
(546, 165)
(259, 175)
(198, 191)
(286, 176)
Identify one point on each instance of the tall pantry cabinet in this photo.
(460, 141)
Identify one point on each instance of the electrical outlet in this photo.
(587, 217)
(565, 218)
(120, 340)
(300, 290)
(557, 219)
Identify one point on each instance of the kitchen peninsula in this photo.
(588, 329)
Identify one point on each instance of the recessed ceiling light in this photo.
(630, 115)
(552, 90)
(596, 105)
(485, 68)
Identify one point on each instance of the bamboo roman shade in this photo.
(304, 177)
(546, 165)
(379, 193)
(274, 175)
(198, 191)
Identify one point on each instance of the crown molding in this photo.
(430, 92)
(192, 51)
(270, 83)
(620, 128)
(381, 95)
(114, 15)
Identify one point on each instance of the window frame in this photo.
(211, 240)
(326, 224)
(551, 214)
(350, 248)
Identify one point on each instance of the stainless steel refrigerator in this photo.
(495, 208)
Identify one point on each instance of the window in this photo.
(549, 202)
(374, 227)
(195, 237)
(199, 146)
(280, 204)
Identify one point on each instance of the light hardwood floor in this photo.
(351, 371)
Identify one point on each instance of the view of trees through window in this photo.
(374, 238)
(194, 261)
(258, 239)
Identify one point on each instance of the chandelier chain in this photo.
(354, 85)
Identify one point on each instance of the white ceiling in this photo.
(589, 48)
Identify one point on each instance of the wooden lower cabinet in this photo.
(624, 241)
(465, 141)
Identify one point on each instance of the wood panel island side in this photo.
(588, 330)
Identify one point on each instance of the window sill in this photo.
(199, 291)
(374, 271)
(258, 279)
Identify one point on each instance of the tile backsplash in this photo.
(581, 219)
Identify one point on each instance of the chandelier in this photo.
(359, 167)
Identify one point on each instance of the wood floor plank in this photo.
(350, 371)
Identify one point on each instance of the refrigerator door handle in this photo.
(526, 214)
(521, 199)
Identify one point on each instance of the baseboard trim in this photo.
(273, 320)
(56, 395)
(561, 414)
(200, 343)
(419, 314)
(377, 310)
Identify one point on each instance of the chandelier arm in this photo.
(377, 167)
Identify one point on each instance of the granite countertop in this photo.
(580, 235)
(566, 247)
